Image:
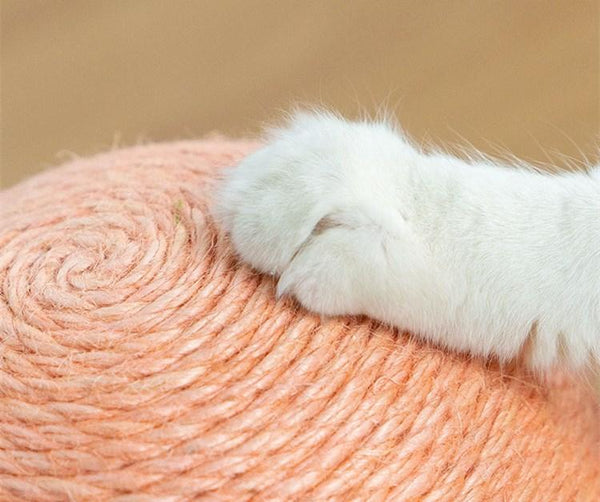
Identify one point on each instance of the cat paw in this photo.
(318, 206)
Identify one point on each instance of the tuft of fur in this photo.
(473, 255)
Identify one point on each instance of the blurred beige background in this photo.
(83, 75)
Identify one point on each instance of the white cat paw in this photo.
(318, 206)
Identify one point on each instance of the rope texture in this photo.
(140, 362)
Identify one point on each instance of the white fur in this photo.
(474, 256)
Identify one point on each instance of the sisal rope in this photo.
(139, 361)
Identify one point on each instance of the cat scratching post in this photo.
(139, 361)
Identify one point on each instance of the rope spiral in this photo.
(140, 362)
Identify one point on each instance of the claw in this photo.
(281, 289)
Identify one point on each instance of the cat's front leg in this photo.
(475, 257)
